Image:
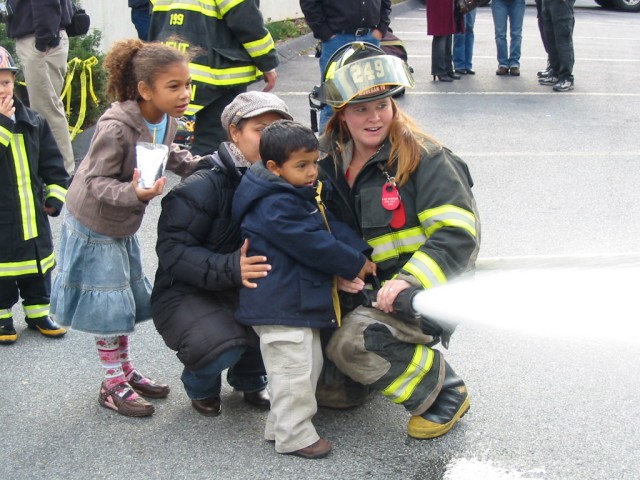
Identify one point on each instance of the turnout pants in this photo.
(34, 290)
(390, 355)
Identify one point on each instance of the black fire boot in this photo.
(449, 407)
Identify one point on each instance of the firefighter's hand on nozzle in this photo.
(388, 293)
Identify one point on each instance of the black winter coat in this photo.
(196, 286)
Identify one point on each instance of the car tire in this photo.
(626, 5)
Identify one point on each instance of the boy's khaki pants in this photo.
(293, 360)
(44, 73)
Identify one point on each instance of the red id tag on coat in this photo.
(399, 217)
(390, 196)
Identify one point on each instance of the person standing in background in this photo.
(511, 11)
(545, 72)
(443, 21)
(338, 22)
(141, 17)
(42, 46)
(231, 48)
(558, 31)
(463, 46)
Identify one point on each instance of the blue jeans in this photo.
(328, 49)
(513, 12)
(463, 43)
(246, 373)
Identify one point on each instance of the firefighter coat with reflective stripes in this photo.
(228, 41)
(32, 175)
(440, 236)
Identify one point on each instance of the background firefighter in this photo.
(411, 199)
(230, 48)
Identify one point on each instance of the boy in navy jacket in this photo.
(307, 249)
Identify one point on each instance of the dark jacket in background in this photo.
(328, 17)
(42, 18)
(139, 4)
(283, 223)
(196, 287)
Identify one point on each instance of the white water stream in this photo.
(569, 297)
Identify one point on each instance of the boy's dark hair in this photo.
(283, 137)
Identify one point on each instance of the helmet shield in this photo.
(364, 79)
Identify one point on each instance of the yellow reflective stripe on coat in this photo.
(210, 8)
(425, 269)
(448, 216)
(36, 311)
(5, 313)
(25, 193)
(27, 267)
(5, 136)
(223, 76)
(396, 243)
(401, 389)
(56, 191)
(260, 47)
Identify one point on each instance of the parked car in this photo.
(622, 5)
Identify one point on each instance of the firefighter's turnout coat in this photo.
(32, 175)
(229, 44)
(437, 240)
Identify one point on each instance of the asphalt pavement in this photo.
(556, 179)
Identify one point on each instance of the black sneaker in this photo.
(563, 85)
(548, 80)
(46, 326)
(545, 73)
(8, 334)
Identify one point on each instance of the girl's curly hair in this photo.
(131, 61)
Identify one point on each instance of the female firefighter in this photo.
(411, 199)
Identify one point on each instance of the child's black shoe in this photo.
(46, 326)
(8, 334)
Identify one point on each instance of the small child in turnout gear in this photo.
(33, 185)
(307, 249)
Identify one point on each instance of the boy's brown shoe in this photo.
(319, 449)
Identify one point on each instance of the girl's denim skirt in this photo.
(100, 287)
